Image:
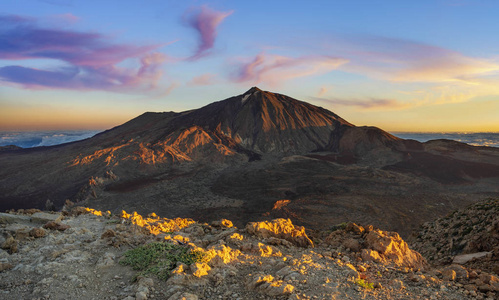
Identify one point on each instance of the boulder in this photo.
(352, 227)
(200, 269)
(223, 223)
(449, 275)
(352, 244)
(461, 272)
(220, 255)
(140, 296)
(5, 266)
(10, 244)
(462, 259)
(280, 228)
(55, 226)
(10, 218)
(43, 217)
(37, 232)
(266, 284)
(371, 255)
(394, 249)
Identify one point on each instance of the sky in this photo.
(403, 66)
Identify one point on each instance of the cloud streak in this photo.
(408, 61)
(204, 79)
(91, 60)
(367, 103)
(205, 21)
(274, 69)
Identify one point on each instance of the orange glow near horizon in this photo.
(48, 118)
(484, 120)
(459, 115)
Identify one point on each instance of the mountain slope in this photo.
(250, 124)
(238, 157)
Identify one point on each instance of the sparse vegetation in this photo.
(339, 226)
(159, 258)
(114, 221)
(364, 284)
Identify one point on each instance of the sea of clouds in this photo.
(30, 139)
(490, 139)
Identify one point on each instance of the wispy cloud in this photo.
(322, 91)
(92, 61)
(274, 69)
(205, 21)
(67, 17)
(204, 79)
(58, 2)
(366, 103)
(408, 61)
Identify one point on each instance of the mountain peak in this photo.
(252, 90)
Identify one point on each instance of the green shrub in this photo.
(159, 258)
(365, 284)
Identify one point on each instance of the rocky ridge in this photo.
(468, 236)
(79, 254)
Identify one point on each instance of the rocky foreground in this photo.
(87, 254)
(469, 236)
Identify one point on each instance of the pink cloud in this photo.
(323, 90)
(92, 58)
(204, 79)
(274, 69)
(205, 21)
(109, 77)
(67, 17)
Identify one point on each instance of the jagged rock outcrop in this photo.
(87, 261)
(282, 229)
(393, 249)
(472, 231)
(372, 244)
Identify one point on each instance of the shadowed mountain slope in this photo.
(238, 156)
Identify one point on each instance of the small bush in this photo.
(365, 284)
(339, 226)
(159, 258)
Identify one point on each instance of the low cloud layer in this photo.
(91, 60)
(31, 139)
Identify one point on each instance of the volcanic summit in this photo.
(254, 156)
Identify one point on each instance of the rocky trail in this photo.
(82, 253)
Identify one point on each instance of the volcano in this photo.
(255, 156)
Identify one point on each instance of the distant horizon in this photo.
(101, 130)
(30, 139)
(396, 65)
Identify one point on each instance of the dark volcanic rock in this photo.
(238, 157)
(472, 230)
(267, 122)
(9, 148)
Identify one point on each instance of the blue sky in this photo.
(398, 65)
